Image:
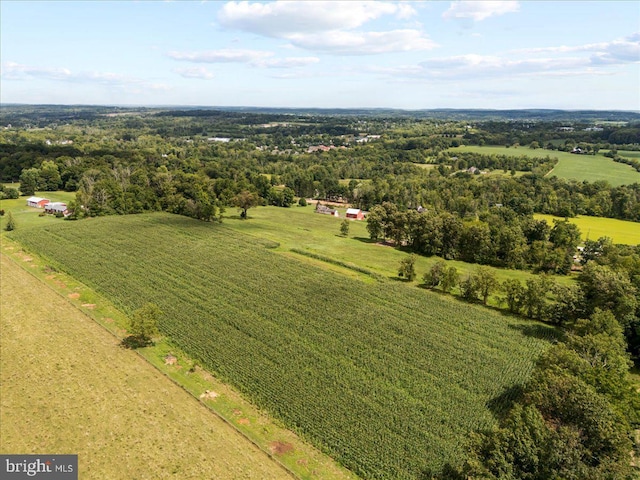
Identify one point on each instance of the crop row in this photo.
(386, 379)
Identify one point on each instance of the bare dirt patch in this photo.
(208, 395)
(74, 295)
(170, 360)
(50, 277)
(280, 448)
(108, 320)
(243, 421)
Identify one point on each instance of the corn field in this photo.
(387, 379)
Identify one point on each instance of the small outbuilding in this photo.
(355, 214)
(327, 211)
(56, 207)
(37, 202)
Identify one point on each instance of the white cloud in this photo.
(288, 62)
(471, 67)
(480, 10)
(17, 71)
(326, 26)
(367, 43)
(194, 72)
(221, 56)
(563, 61)
(619, 51)
(281, 18)
(255, 58)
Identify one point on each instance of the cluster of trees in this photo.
(610, 281)
(499, 237)
(573, 419)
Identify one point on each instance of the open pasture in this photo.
(570, 166)
(387, 379)
(66, 387)
(592, 228)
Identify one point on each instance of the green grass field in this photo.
(592, 228)
(629, 154)
(388, 379)
(301, 228)
(66, 387)
(570, 166)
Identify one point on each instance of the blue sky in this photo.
(411, 55)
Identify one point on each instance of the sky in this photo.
(323, 54)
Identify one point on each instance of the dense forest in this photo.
(420, 196)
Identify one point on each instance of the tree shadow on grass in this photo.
(501, 404)
(364, 240)
(540, 331)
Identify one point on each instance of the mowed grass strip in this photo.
(570, 166)
(67, 387)
(387, 379)
(592, 228)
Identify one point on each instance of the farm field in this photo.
(68, 388)
(619, 231)
(387, 379)
(570, 166)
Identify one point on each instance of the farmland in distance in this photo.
(387, 379)
(570, 166)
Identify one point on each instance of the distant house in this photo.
(56, 207)
(37, 202)
(327, 211)
(355, 214)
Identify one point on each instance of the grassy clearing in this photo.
(301, 228)
(570, 166)
(592, 228)
(68, 388)
(387, 379)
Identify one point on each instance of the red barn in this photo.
(37, 202)
(355, 214)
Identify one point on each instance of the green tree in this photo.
(449, 279)
(486, 282)
(11, 223)
(344, 227)
(49, 176)
(245, 200)
(534, 301)
(288, 197)
(514, 294)
(433, 277)
(469, 288)
(29, 181)
(407, 268)
(375, 221)
(144, 325)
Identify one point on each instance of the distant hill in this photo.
(68, 112)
